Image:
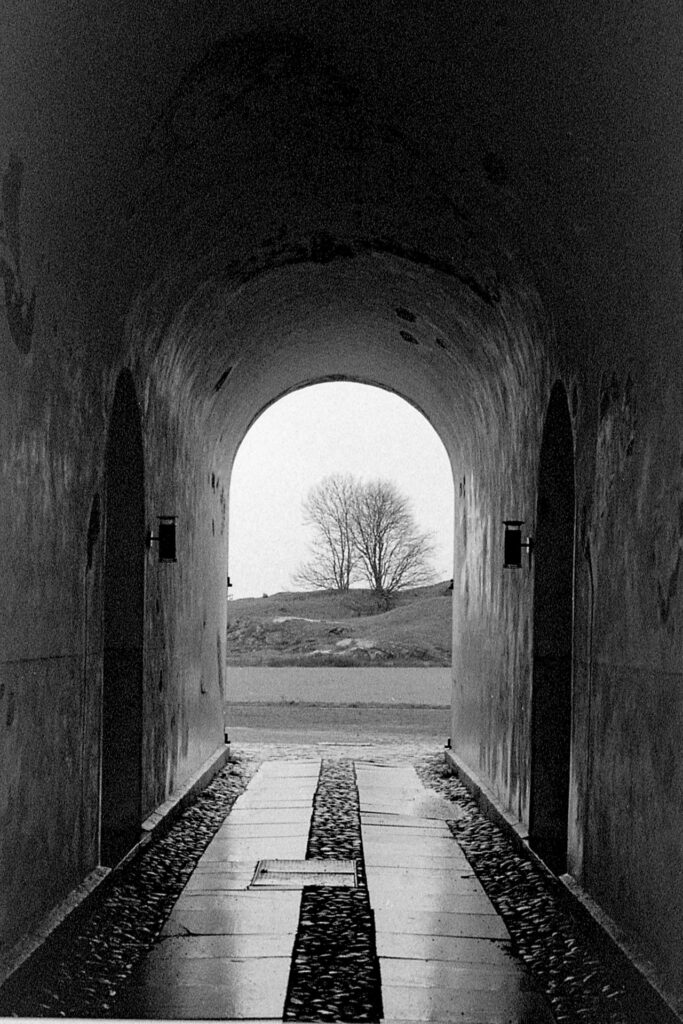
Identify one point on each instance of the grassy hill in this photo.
(328, 628)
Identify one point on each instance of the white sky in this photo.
(312, 433)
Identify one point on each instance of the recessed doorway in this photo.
(552, 653)
(124, 584)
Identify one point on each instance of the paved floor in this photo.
(226, 949)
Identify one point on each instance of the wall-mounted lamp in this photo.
(513, 544)
(165, 538)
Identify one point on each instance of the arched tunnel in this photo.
(475, 207)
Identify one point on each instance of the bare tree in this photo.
(364, 531)
(392, 553)
(328, 508)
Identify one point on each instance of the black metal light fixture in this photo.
(513, 544)
(165, 538)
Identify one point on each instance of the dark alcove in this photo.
(552, 654)
(124, 584)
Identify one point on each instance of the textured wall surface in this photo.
(461, 203)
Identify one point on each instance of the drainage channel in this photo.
(335, 971)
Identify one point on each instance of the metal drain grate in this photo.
(295, 874)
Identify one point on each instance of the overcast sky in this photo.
(319, 430)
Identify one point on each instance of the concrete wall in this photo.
(61, 355)
(460, 203)
(613, 291)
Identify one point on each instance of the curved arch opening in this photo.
(340, 428)
(551, 707)
(124, 585)
(313, 431)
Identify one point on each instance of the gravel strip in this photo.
(84, 966)
(576, 971)
(335, 823)
(335, 971)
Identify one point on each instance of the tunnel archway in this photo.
(124, 582)
(552, 652)
(345, 645)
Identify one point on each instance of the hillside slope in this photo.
(327, 628)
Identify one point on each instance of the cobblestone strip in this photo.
(570, 964)
(82, 968)
(335, 971)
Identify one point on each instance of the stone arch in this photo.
(551, 703)
(124, 582)
(369, 381)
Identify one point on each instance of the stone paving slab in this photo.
(235, 947)
(261, 901)
(406, 828)
(404, 920)
(300, 787)
(284, 848)
(458, 950)
(277, 830)
(263, 816)
(435, 849)
(376, 773)
(406, 839)
(218, 881)
(230, 837)
(265, 801)
(446, 974)
(251, 919)
(402, 1002)
(214, 867)
(393, 857)
(448, 903)
(289, 806)
(424, 880)
(278, 780)
(280, 811)
(397, 820)
(379, 793)
(243, 975)
(406, 834)
(373, 790)
(243, 995)
(412, 845)
(421, 805)
(296, 768)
